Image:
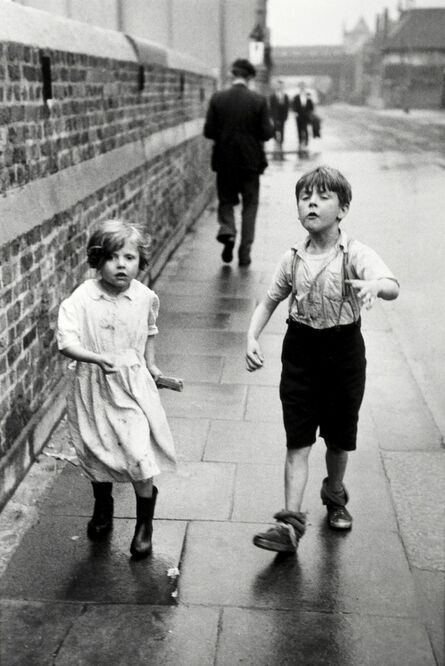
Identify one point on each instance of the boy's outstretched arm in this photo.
(369, 290)
(260, 317)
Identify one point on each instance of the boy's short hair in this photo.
(325, 178)
(244, 68)
(110, 236)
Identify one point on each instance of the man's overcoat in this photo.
(238, 122)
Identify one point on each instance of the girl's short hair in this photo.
(325, 178)
(110, 236)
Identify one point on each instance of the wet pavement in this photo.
(207, 596)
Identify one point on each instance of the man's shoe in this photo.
(339, 517)
(227, 253)
(244, 256)
(285, 535)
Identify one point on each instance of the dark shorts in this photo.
(322, 384)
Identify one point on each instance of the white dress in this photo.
(117, 423)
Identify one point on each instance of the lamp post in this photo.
(259, 48)
(256, 46)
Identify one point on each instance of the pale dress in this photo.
(117, 423)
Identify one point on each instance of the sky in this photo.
(304, 22)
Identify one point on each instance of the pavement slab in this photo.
(208, 401)
(205, 303)
(400, 428)
(221, 568)
(201, 342)
(242, 441)
(31, 633)
(430, 589)
(195, 369)
(190, 436)
(201, 320)
(262, 638)
(137, 636)
(263, 404)
(198, 491)
(420, 516)
(259, 494)
(56, 562)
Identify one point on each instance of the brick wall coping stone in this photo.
(35, 27)
(23, 208)
(39, 28)
(149, 53)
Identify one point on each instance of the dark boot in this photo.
(102, 520)
(145, 508)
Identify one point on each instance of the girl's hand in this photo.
(367, 291)
(254, 356)
(107, 365)
(154, 371)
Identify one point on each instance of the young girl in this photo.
(117, 422)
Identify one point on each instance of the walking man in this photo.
(238, 122)
(303, 107)
(279, 110)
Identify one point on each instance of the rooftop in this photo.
(422, 29)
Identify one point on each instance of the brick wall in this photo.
(100, 148)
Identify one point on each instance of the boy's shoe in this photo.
(339, 517)
(285, 535)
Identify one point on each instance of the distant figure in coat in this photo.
(279, 110)
(238, 122)
(303, 106)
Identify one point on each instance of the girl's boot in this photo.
(102, 519)
(145, 508)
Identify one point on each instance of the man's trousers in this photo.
(230, 186)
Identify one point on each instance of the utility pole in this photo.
(259, 47)
(222, 41)
(170, 35)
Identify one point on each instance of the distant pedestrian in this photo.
(303, 106)
(117, 423)
(328, 278)
(238, 122)
(279, 110)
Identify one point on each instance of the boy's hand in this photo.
(254, 356)
(107, 365)
(367, 291)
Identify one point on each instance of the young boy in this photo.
(328, 279)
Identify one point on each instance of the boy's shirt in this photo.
(318, 300)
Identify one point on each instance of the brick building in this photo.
(93, 124)
(413, 60)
